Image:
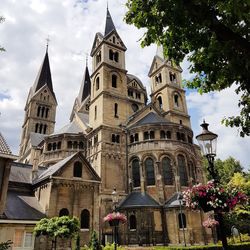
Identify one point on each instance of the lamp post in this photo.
(208, 142)
(180, 198)
(115, 202)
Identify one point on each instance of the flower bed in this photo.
(210, 197)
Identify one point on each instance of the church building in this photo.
(115, 138)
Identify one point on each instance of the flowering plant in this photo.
(116, 216)
(209, 197)
(209, 222)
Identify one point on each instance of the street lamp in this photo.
(180, 198)
(114, 196)
(207, 142)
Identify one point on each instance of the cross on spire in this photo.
(47, 44)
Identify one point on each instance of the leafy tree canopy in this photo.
(64, 226)
(1, 20)
(214, 35)
(225, 169)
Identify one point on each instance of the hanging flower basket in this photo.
(115, 218)
(210, 223)
(210, 197)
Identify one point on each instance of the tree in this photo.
(62, 227)
(225, 169)
(1, 20)
(214, 35)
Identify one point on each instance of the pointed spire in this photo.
(159, 52)
(44, 76)
(85, 86)
(109, 23)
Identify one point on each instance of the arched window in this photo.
(70, 144)
(54, 146)
(59, 145)
(36, 128)
(43, 110)
(135, 107)
(178, 136)
(47, 113)
(132, 222)
(44, 129)
(159, 99)
(111, 54)
(85, 216)
(152, 134)
(182, 170)
(113, 39)
(97, 83)
(38, 111)
(114, 81)
(176, 100)
(136, 137)
(116, 110)
(116, 56)
(167, 171)
(77, 169)
(169, 134)
(132, 138)
(150, 174)
(81, 145)
(146, 135)
(95, 112)
(182, 220)
(49, 147)
(162, 134)
(98, 58)
(75, 145)
(63, 212)
(40, 128)
(136, 173)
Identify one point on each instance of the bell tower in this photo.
(108, 105)
(167, 94)
(40, 108)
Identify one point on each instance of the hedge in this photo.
(238, 246)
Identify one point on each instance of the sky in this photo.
(71, 26)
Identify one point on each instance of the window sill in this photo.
(84, 229)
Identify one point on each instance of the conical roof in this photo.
(109, 24)
(44, 76)
(85, 86)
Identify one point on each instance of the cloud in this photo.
(71, 26)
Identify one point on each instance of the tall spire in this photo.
(85, 87)
(44, 76)
(109, 24)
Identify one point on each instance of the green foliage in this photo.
(77, 242)
(5, 245)
(57, 227)
(109, 246)
(239, 239)
(214, 37)
(1, 48)
(239, 246)
(94, 242)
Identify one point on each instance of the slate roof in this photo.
(173, 202)
(43, 77)
(84, 117)
(85, 86)
(109, 24)
(4, 148)
(151, 118)
(36, 138)
(53, 169)
(22, 207)
(138, 199)
(71, 128)
(21, 173)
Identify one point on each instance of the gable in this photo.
(156, 63)
(44, 94)
(114, 39)
(97, 41)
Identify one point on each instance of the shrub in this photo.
(5, 245)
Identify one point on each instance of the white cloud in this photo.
(71, 26)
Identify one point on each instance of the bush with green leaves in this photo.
(5, 245)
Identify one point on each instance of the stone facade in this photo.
(115, 139)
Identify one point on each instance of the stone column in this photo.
(142, 178)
